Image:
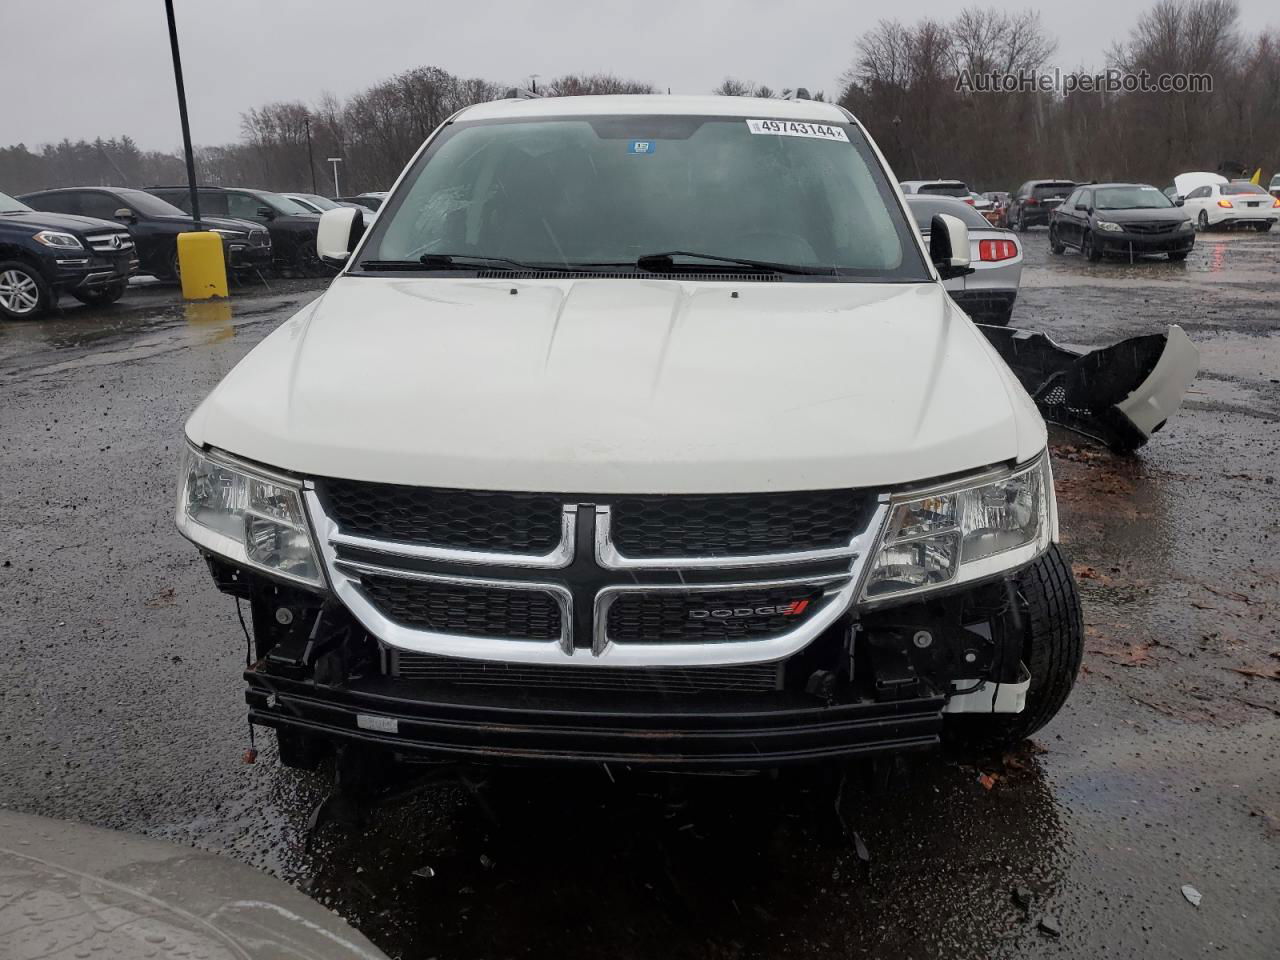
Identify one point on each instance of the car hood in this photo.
(1184, 183)
(1153, 214)
(40, 220)
(620, 385)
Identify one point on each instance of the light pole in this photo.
(335, 161)
(311, 160)
(182, 113)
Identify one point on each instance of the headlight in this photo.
(230, 234)
(963, 532)
(252, 518)
(63, 241)
(1186, 225)
(1109, 226)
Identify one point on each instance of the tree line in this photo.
(905, 83)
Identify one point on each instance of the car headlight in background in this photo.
(62, 241)
(1109, 226)
(1186, 225)
(229, 234)
(253, 518)
(963, 532)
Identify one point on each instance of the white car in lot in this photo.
(1212, 200)
(995, 256)
(637, 429)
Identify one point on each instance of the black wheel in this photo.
(306, 263)
(1176, 255)
(1087, 248)
(24, 295)
(1048, 615)
(174, 269)
(1264, 227)
(300, 751)
(1055, 245)
(100, 296)
(1022, 221)
(1203, 220)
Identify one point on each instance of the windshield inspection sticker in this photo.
(642, 146)
(792, 128)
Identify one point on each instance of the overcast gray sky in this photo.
(87, 68)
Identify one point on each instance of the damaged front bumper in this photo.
(1119, 395)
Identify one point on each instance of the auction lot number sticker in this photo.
(793, 128)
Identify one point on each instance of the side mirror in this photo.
(338, 233)
(949, 246)
(266, 213)
(1179, 201)
(125, 214)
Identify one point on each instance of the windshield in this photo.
(1236, 189)
(149, 205)
(945, 189)
(923, 210)
(1130, 198)
(609, 190)
(10, 205)
(282, 204)
(317, 201)
(1043, 191)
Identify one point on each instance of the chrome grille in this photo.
(259, 238)
(110, 242)
(480, 576)
(665, 680)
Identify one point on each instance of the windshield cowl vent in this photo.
(624, 275)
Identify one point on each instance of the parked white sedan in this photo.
(1212, 200)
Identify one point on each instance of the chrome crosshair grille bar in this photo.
(585, 574)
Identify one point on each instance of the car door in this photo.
(1196, 201)
(1080, 216)
(1064, 220)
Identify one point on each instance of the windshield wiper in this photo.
(446, 261)
(665, 263)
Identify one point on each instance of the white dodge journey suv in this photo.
(641, 430)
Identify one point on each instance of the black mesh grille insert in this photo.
(467, 610)
(1152, 226)
(417, 666)
(728, 524)
(524, 523)
(708, 617)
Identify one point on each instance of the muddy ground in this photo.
(121, 701)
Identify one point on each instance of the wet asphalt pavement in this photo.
(122, 706)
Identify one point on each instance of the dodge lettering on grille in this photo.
(793, 609)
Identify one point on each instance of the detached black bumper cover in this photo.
(727, 731)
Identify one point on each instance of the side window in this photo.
(1024, 190)
(244, 206)
(1071, 200)
(1199, 193)
(100, 205)
(1086, 199)
(57, 202)
(213, 203)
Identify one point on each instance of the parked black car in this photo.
(1032, 202)
(155, 225)
(1125, 219)
(292, 226)
(45, 254)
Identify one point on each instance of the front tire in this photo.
(100, 296)
(1047, 611)
(1264, 227)
(1022, 221)
(1088, 249)
(1177, 255)
(1203, 220)
(24, 294)
(300, 751)
(1055, 245)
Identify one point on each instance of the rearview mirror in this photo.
(338, 233)
(949, 246)
(125, 214)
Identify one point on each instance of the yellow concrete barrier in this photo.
(200, 262)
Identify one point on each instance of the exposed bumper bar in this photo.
(728, 732)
